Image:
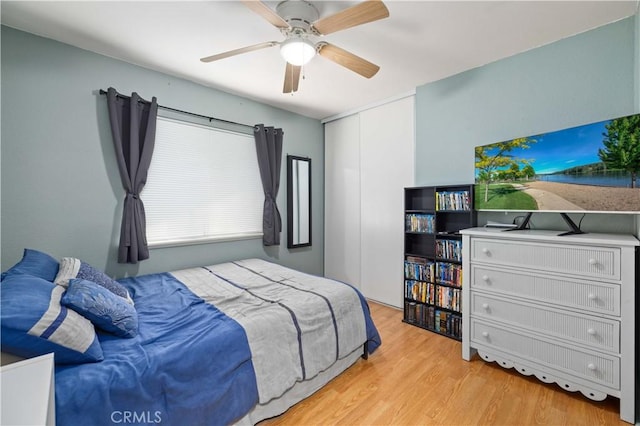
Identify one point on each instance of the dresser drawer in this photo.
(585, 261)
(596, 367)
(593, 296)
(599, 333)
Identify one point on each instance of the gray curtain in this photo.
(133, 127)
(269, 149)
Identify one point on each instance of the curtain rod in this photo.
(104, 92)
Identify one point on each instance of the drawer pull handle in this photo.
(485, 250)
(485, 278)
(485, 334)
(485, 306)
(593, 261)
(591, 366)
(592, 296)
(591, 331)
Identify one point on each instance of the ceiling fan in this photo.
(298, 20)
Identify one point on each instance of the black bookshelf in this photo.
(432, 279)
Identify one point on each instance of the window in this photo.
(203, 185)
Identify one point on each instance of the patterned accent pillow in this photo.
(34, 263)
(33, 322)
(70, 267)
(104, 309)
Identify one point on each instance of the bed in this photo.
(232, 343)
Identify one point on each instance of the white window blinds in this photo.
(203, 185)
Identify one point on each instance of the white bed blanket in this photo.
(297, 324)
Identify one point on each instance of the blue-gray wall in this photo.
(590, 77)
(61, 190)
(637, 58)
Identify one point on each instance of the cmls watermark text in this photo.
(136, 417)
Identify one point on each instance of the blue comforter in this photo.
(189, 361)
(189, 364)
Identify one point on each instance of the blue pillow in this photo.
(33, 322)
(71, 267)
(104, 309)
(34, 263)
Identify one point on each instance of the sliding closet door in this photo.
(386, 167)
(342, 200)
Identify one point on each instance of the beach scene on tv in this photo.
(594, 167)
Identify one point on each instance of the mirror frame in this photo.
(290, 199)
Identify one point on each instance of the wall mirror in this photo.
(298, 201)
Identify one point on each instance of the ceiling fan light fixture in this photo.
(297, 51)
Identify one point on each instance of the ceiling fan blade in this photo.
(367, 11)
(266, 12)
(239, 51)
(348, 60)
(291, 78)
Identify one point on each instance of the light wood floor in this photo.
(419, 378)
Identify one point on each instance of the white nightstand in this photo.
(27, 392)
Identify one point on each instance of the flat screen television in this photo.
(590, 168)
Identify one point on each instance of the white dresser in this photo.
(558, 307)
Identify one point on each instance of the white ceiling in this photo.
(420, 42)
